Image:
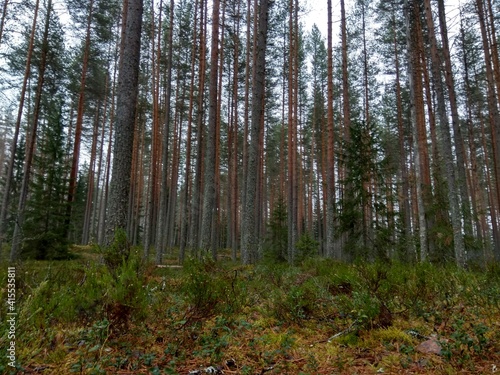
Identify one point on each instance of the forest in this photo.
(193, 177)
(231, 126)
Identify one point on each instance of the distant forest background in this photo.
(197, 126)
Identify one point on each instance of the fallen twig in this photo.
(344, 332)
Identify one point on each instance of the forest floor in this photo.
(320, 317)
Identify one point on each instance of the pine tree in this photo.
(249, 232)
(45, 210)
(17, 127)
(32, 139)
(209, 194)
(125, 119)
(275, 249)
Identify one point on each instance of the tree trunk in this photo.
(172, 195)
(152, 202)
(125, 120)
(16, 238)
(233, 146)
(187, 171)
(404, 201)
(291, 139)
(494, 115)
(331, 250)
(494, 47)
(196, 202)
(346, 105)
(105, 191)
(423, 183)
(210, 154)
(477, 193)
(79, 119)
(17, 126)
(91, 178)
(250, 240)
(246, 115)
(457, 132)
(2, 19)
(446, 146)
(98, 197)
(163, 207)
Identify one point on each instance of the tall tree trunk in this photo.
(126, 104)
(346, 105)
(23, 196)
(331, 250)
(91, 179)
(250, 239)
(423, 183)
(172, 196)
(162, 210)
(79, 119)
(2, 19)
(233, 145)
(291, 139)
(446, 146)
(137, 185)
(246, 115)
(477, 193)
(17, 126)
(97, 196)
(457, 132)
(437, 197)
(295, 129)
(105, 190)
(187, 171)
(404, 201)
(367, 183)
(491, 192)
(493, 39)
(494, 115)
(152, 202)
(210, 155)
(196, 202)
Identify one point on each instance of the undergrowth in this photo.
(86, 316)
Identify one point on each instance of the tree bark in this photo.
(125, 120)
(196, 201)
(210, 155)
(421, 158)
(331, 250)
(250, 240)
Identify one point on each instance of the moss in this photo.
(391, 335)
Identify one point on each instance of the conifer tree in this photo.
(32, 139)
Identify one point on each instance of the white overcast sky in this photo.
(316, 13)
